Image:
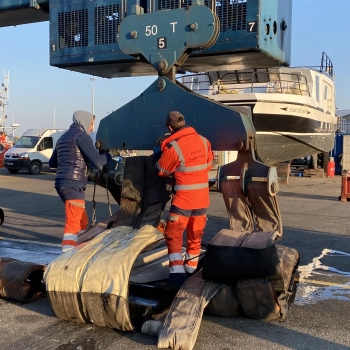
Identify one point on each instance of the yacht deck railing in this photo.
(325, 67)
(237, 82)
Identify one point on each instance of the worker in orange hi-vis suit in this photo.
(186, 156)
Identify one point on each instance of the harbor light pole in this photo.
(93, 96)
(54, 116)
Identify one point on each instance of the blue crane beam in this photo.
(83, 34)
(16, 12)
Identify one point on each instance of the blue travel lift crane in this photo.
(110, 38)
(119, 38)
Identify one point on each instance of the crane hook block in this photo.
(166, 38)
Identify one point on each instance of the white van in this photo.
(32, 151)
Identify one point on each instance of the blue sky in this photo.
(318, 25)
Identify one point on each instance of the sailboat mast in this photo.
(4, 96)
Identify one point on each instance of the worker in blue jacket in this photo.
(73, 153)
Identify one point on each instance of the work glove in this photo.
(161, 139)
(157, 149)
(113, 152)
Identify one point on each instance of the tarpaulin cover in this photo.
(253, 298)
(181, 324)
(234, 255)
(21, 281)
(90, 282)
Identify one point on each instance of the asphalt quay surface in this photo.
(315, 222)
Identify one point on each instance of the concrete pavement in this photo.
(315, 223)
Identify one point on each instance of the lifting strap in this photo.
(181, 325)
(144, 195)
(258, 211)
(21, 281)
(90, 283)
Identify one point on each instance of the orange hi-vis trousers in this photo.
(175, 227)
(76, 220)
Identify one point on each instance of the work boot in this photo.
(66, 249)
(189, 274)
(174, 283)
(152, 328)
(177, 279)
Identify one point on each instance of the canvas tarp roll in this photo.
(224, 303)
(20, 280)
(253, 298)
(289, 260)
(90, 282)
(152, 266)
(181, 325)
(105, 286)
(233, 255)
(257, 299)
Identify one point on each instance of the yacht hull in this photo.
(288, 131)
(274, 148)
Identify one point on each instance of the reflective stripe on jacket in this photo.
(188, 156)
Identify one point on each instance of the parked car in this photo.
(32, 151)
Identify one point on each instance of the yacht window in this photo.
(274, 76)
(317, 88)
(302, 79)
(230, 78)
(325, 92)
(245, 77)
(329, 97)
(195, 83)
(295, 76)
(263, 77)
(330, 94)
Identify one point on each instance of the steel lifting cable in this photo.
(109, 204)
(203, 245)
(94, 204)
(198, 256)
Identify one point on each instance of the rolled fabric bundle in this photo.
(21, 281)
(257, 299)
(224, 303)
(232, 256)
